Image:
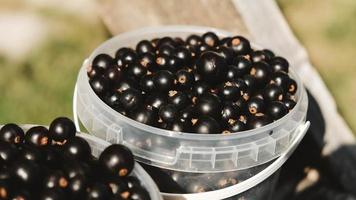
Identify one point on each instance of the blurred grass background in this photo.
(36, 84)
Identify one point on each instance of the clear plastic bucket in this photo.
(183, 151)
(98, 145)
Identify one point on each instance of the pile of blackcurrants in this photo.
(204, 84)
(55, 164)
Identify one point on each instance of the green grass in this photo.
(40, 88)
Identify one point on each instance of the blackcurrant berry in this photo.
(279, 64)
(8, 152)
(147, 83)
(185, 79)
(258, 121)
(226, 53)
(126, 83)
(166, 41)
(243, 65)
(200, 88)
(118, 188)
(208, 104)
(117, 160)
(77, 148)
(12, 133)
(292, 86)
(240, 45)
(281, 79)
(276, 110)
(289, 103)
(211, 66)
(131, 99)
(256, 105)
(77, 187)
(113, 75)
(258, 56)
(156, 100)
(62, 129)
(145, 114)
(103, 61)
(229, 111)
(31, 153)
(26, 172)
(100, 85)
(37, 136)
(144, 46)
(166, 50)
(168, 112)
(136, 70)
(194, 40)
(163, 80)
(55, 179)
(237, 126)
(210, 39)
(179, 99)
(95, 71)
(184, 55)
(148, 60)
(229, 92)
(113, 100)
(129, 57)
(187, 114)
(206, 125)
(268, 53)
(180, 126)
(261, 72)
(273, 92)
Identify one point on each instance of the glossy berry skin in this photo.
(208, 105)
(173, 64)
(144, 46)
(166, 50)
(258, 56)
(250, 81)
(163, 80)
(185, 79)
(256, 105)
(276, 110)
(179, 99)
(206, 125)
(131, 99)
(136, 70)
(77, 187)
(129, 57)
(37, 136)
(243, 65)
(62, 129)
(75, 168)
(156, 100)
(268, 53)
(279, 64)
(180, 126)
(139, 194)
(148, 60)
(145, 114)
(100, 85)
(237, 126)
(113, 75)
(95, 71)
(232, 73)
(273, 92)
(126, 83)
(12, 133)
(26, 172)
(103, 61)
(258, 121)
(200, 88)
(77, 148)
(53, 194)
(166, 41)
(226, 53)
(210, 39)
(240, 45)
(117, 160)
(168, 112)
(147, 83)
(132, 182)
(194, 40)
(211, 67)
(31, 153)
(289, 103)
(229, 92)
(183, 54)
(229, 111)
(187, 114)
(292, 86)
(281, 79)
(118, 188)
(8, 152)
(55, 179)
(261, 71)
(113, 100)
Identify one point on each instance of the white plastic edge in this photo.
(249, 183)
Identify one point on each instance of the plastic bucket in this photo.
(255, 156)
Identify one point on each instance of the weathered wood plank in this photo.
(120, 15)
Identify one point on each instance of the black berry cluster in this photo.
(203, 84)
(55, 164)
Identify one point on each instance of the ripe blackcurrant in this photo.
(279, 64)
(37, 136)
(131, 99)
(208, 104)
(185, 79)
(256, 105)
(240, 45)
(168, 112)
(77, 148)
(163, 80)
(211, 66)
(117, 160)
(103, 61)
(258, 121)
(273, 92)
(276, 110)
(206, 125)
(61, 129)
(210, 39)
(12, 133)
